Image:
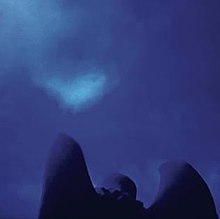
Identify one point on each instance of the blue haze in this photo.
(135, 82)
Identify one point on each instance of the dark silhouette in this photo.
(69, 193)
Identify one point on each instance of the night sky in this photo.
(135, 82)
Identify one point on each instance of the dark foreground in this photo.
(69, 193)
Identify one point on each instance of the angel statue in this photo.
(68, 192)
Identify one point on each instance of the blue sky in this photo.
(135, 82)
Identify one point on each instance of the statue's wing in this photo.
(68, 190)
(183, 194)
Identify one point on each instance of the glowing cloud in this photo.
(79, 92)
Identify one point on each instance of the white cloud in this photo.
(30, 28)
(79, 92)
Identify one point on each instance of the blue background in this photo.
(136, 83)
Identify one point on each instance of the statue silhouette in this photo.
(68, 191)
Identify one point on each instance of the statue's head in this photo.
(121, 183)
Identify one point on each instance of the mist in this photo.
(136, 83)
